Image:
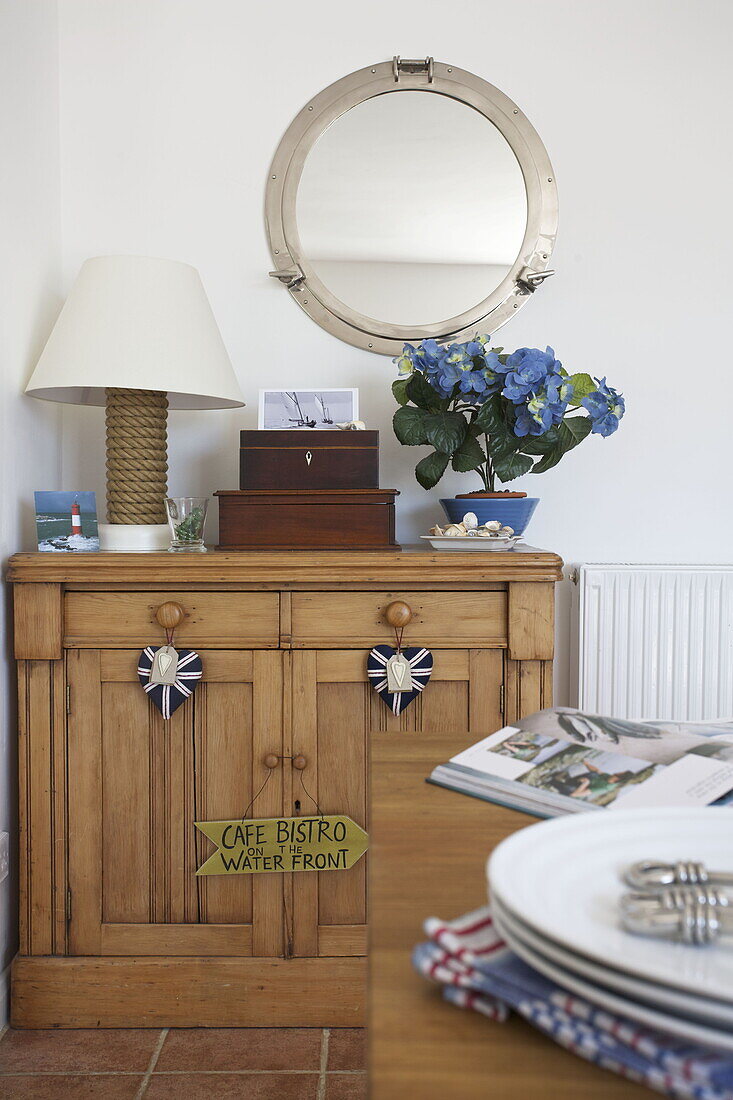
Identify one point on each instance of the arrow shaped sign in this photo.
(332, 843)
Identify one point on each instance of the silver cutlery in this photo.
(695, 915)
(651, 875)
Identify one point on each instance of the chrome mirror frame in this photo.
(296, 273)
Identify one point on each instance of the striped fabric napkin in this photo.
(478, 971)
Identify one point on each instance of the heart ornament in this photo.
(420, 665)
(169, 696)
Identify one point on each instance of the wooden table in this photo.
(428, 853)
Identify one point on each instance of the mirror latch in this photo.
(528, 280)
(412, 67)
(291, 277)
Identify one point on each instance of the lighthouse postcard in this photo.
(66, 521)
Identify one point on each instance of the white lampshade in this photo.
(134, 322)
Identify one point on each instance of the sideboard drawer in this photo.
(449, 620)
(214, 620)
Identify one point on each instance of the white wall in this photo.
(30, 284)
(170, 112)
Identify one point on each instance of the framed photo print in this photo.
(307, 408)
(66, 520)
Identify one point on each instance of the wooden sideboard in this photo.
(116, 930)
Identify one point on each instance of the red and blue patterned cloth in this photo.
(476, 969)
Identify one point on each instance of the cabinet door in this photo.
(137, 783)
(334, 709)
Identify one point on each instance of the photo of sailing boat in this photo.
(323, 409)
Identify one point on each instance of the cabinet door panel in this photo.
(138, 785)
(342, 771)
(222, 761)
(334, 709)
(126, 803)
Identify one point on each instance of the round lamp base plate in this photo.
(134, 538)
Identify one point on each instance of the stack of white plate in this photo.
(555, 890)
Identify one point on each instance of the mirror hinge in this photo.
(528, 280)
(412, 67)
(291, 277)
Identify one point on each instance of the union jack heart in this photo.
(168, 697)
(421, 666)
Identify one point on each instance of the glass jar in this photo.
(186, 518)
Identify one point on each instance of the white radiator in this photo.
(656, 641)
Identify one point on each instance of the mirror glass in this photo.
(411, 208)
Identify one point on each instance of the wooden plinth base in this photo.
(187, 992)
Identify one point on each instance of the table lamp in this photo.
(137, 335)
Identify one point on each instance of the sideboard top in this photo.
(287, 567)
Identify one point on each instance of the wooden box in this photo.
(318, 519)
(308, 460)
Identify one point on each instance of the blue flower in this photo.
(525, 424)
(605, 407)
(479, 383)
(521, 383)
(526, 369)
(405, 364)
(559, 390)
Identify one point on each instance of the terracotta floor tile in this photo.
(347, 1048)
(346, 1086)
(69, 1087)
(234, 1048)
(233, 1086)
(76, 1050)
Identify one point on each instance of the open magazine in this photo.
(561, 761)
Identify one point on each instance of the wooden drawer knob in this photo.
(398, 614)
(299, 763)
(271, 761)
(170, 615)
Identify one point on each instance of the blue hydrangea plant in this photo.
(500, 414)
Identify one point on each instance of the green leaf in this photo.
(430, 469)
(505, 444)
(409, 425)
(469, 456)
(573, 431)
(512, 466)
(446, 431)
(551, 459)
(582, 385)
(540, 444)
(422, 394)
(570, 433)
(399, 389)
(490, 418)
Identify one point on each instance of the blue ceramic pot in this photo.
(513, 512)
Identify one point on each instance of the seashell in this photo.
(484, 534)
(470, 521)
(455, 530)
(352, 426)
(507, 532)
(493, 525)
(436, 530)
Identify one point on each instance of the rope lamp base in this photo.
(137, 471)
(137, 461)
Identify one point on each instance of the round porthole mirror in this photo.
(394, 217)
